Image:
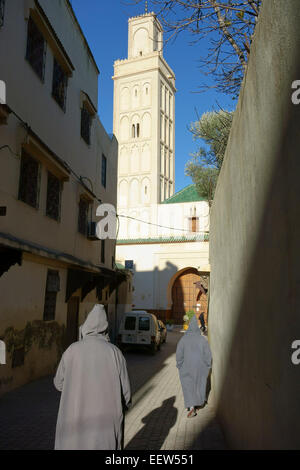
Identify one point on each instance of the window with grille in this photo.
(83, 216)
(2, 6)
(102, 251)
(59, 85)
(53, 197)
(52, 287)
(29, 180)
(36, 49)
(103, 171)
(86, 121)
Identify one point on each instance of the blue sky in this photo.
(105, 25)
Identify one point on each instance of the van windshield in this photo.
(144, 323)
(130, 323)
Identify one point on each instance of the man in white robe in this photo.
(2, 352)
(92, 376)
(193, 360)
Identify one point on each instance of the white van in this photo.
(139, 328)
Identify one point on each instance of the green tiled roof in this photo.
(120, 266)
(200, 237)
(187, 194)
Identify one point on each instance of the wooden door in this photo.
(184, 294)
(72, 321)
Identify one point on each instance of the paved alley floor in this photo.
(157, 419)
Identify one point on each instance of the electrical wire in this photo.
(11, 151)
(80, 178)
(161, 226)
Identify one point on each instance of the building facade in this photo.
(58, 165)
(162, 236)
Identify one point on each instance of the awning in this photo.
(87, 281)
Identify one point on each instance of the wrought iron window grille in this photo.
(36, 49)
(83, 216)
(52, 287)
(103, 171)
(59, 85)
(2, 8)
(103, 251)
(86, 121)
(53, 197)
(29, 180)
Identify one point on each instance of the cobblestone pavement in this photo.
(157, 419)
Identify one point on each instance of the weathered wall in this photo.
(254, 247)
(22, 288)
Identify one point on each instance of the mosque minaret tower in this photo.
(144, 123)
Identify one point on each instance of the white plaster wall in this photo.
(155, 264)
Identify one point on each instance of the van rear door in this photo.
(143, 329)
(129, 332)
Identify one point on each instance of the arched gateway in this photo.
(188, 292)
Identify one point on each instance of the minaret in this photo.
(144, 123)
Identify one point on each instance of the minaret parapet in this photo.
(142, 15)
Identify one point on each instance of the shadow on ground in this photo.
(167, 414)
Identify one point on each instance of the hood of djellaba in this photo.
(96, 322)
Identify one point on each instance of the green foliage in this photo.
(190, 314)
(204, 167)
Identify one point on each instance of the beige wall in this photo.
(155, 265)
(254, 248)
(32, 101)
(22, 289)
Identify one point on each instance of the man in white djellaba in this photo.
(92, 376)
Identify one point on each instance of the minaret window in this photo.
(135, 130)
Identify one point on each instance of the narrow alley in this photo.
(157, 419)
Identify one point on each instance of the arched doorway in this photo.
(187, 294)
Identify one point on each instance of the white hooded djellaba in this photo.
(92, 376)
(193, 357)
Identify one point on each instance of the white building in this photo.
(164, 236)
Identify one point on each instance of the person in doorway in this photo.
(92, 376)
(193, 360)
(202, 322)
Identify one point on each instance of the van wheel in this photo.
(153, 349)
